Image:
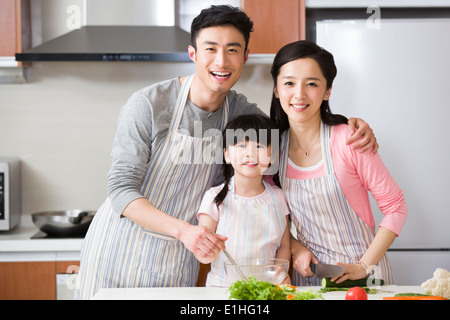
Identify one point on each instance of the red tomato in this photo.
(356, 293)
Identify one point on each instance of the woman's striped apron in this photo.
(254, 227)
(325, 221)
(120, 253)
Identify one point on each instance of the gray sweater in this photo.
(143, 125)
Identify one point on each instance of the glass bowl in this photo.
(272, 270)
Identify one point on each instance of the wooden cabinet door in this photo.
(28, 280)
(8, 30)
(276, 23)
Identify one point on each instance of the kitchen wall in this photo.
(61, 124)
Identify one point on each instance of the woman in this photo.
(324, 180)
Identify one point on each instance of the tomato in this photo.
(356, 293)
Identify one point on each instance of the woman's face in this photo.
(301, 88)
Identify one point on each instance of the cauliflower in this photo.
(439, 285)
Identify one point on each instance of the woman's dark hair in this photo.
(253, 127)
(220, 16)
(298, 50)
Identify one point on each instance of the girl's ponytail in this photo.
(227, 174)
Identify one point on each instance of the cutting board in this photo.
(211, 293)
(383, 291)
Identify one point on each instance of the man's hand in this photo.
(205, 245)
(359, 129)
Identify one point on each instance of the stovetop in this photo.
(43, 235)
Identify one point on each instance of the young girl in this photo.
(324, 180)
(249, 212)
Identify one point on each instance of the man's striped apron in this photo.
(324, 220)
(118, 253)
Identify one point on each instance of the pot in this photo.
(68, 223)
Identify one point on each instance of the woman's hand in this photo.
(359, 129)
(301, 258)
(352, 271)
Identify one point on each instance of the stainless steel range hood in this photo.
(113, 30)
(114, 43)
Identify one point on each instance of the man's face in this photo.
(220, 57)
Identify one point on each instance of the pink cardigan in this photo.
(358, 173)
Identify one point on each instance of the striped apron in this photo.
(254, 227)
(324, 220)
(118, 253)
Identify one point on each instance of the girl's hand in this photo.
(301, 258)
(286, 280)
(360, 129)
(352, 271)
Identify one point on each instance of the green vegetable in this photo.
(292, 293)
(303, 295)
(255, 290)
(412, 295)
(263, 290)
(329, 289)
(328, 285)
(365, 282)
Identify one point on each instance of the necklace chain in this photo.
(308, 153)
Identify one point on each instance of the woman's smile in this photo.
(299, 107)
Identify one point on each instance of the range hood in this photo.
(114, 43)
(111, 30)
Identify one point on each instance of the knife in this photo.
(323, 270)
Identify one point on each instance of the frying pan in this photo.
(63, 223)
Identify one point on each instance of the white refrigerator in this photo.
(396, 76)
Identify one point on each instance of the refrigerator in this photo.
(396, 76)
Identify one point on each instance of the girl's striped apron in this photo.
(325, 221)
(254, 227)
(120, 253)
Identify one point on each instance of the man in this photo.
(145, 233)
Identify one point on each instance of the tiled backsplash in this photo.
(61, 124)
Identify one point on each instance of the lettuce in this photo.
(255, 290)
(263, 290)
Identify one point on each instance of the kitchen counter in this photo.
(17, 245)
(214, 293)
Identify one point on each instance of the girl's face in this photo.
(301, 88)
(248, 158)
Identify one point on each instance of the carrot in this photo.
(415, 298)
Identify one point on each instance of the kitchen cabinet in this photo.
(276, 23)
(13, 32)
(8, 27)
(32, 280)
(203, 274)
(27, 280)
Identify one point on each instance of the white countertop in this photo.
(214, 293)
(17, 245)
